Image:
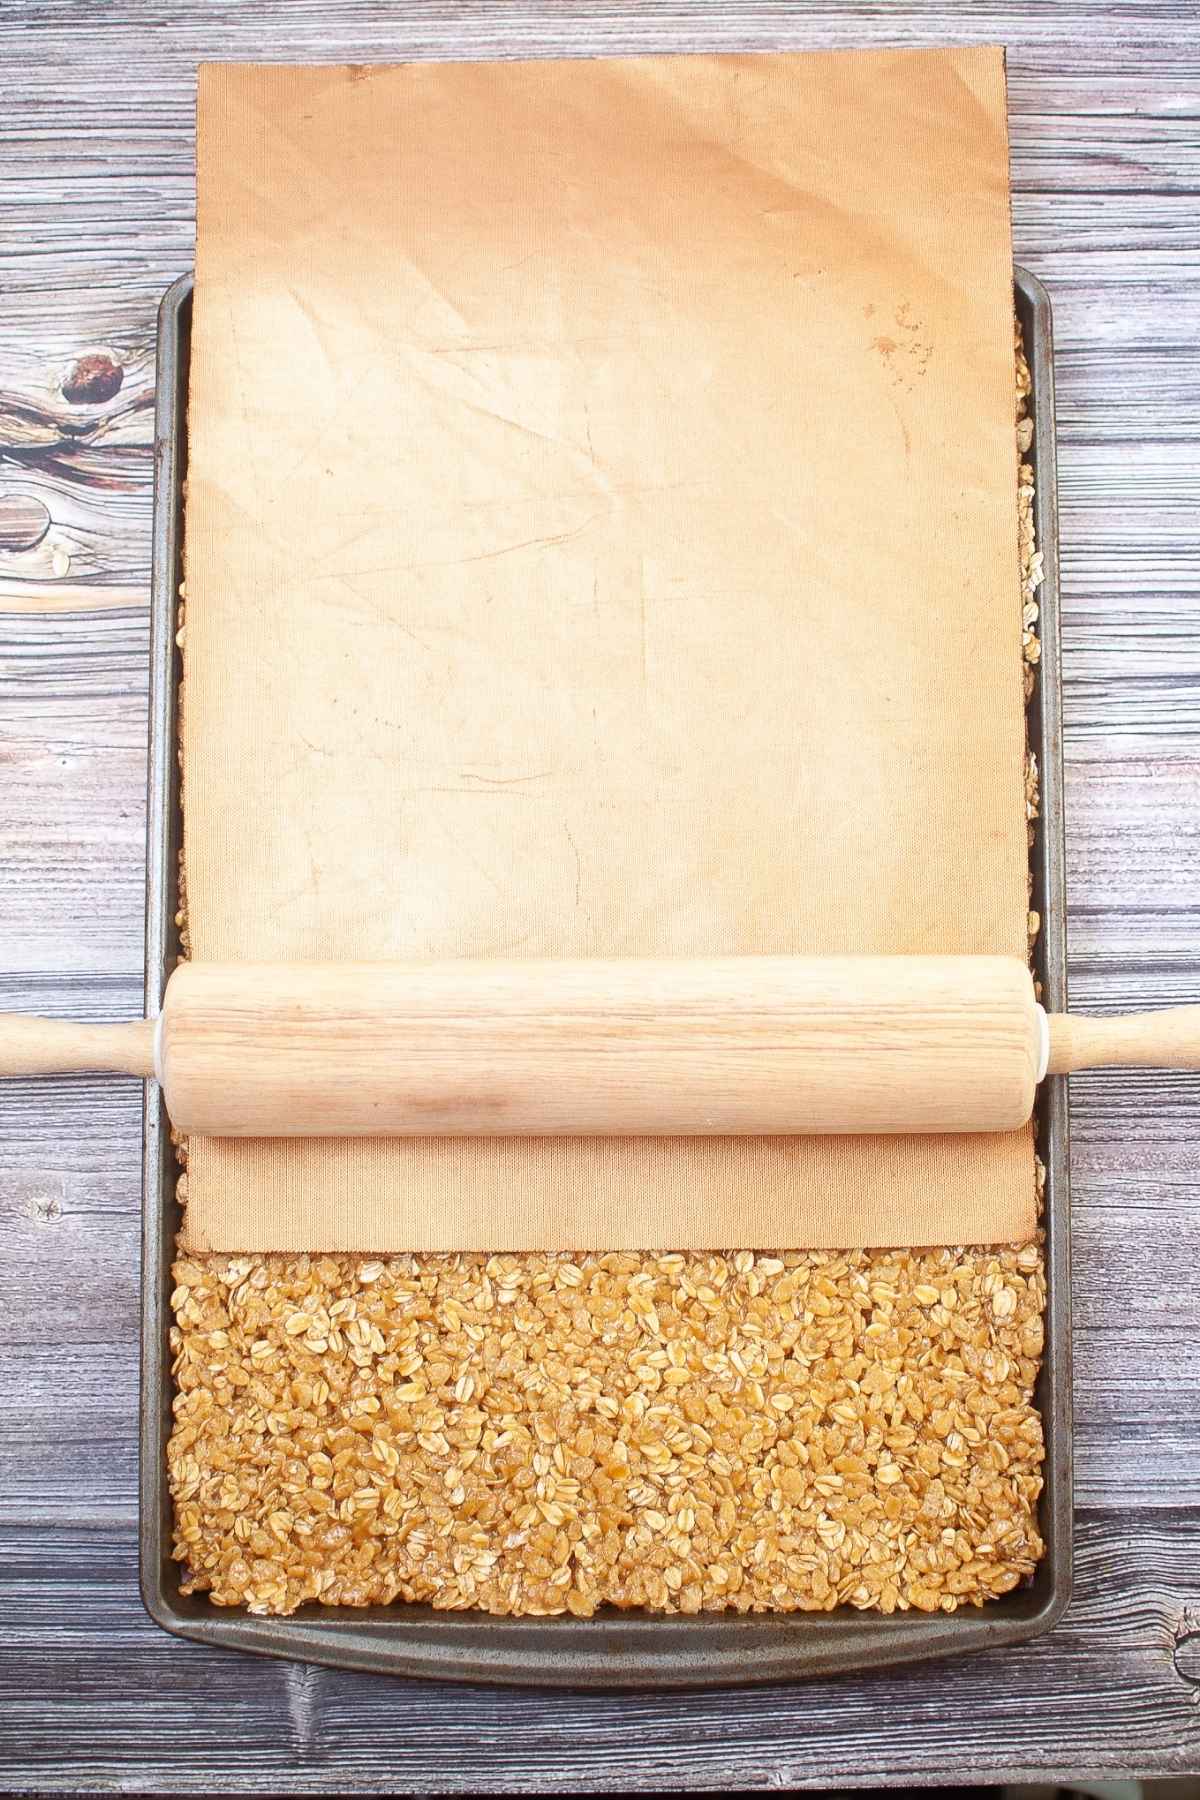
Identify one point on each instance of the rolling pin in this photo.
(735, 1045)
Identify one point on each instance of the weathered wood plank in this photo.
(1108, 1687)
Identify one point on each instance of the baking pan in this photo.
(615, 1649)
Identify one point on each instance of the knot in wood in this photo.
(94, 378)
(24, 521)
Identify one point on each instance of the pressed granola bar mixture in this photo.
(541, 1434)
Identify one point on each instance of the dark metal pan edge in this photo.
(615, 1650)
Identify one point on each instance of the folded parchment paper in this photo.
(601, 539)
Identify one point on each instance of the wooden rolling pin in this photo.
(735, 1045)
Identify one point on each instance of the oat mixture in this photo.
(541, 1434)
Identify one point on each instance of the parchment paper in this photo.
(601, 539)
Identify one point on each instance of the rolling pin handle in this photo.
(32, 1046)
(1166, 1039)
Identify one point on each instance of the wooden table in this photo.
(95, 220)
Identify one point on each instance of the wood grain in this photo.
(95, 221)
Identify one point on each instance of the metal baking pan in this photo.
(616, 1649)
